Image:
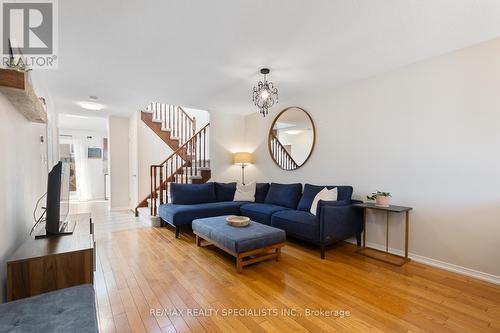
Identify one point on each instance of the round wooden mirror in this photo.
(291, 138)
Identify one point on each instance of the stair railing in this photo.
(186, 161)
(174, 119)
(281, 155)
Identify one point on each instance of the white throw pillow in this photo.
(325, 195)
(245, 192)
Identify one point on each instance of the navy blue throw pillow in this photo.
(310, 191)
(190, 194)
(261, 190)
(286, 195)
(225, 191)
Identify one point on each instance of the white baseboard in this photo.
(439, 264)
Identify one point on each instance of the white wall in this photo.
(202, 117)
(95, 166)
(23, 179)
(301, 143)
(430, 134)
(119, 162)
(133, 160)
(227, 136)
(147, 149)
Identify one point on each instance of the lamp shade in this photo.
(242, 158)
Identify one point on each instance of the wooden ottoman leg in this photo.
(278, 254)
(198, 240)
(239, 264)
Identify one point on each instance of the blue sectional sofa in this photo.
(284, 206)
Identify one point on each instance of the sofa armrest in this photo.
(339, 220)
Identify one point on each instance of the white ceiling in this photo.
(206, 54)
(89, 124)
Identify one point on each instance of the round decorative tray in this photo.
(238, 221)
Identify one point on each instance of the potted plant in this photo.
(382, 199)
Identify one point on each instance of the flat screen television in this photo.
(57, 201)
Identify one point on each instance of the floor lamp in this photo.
(242, 158)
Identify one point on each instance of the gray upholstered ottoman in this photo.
(66, 310)
(253, 243)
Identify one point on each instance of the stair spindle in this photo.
(161, 185)
(177, 118)
(195, 154)
(154, 192)
(165, 115)
(190, 144)
(174, 119)
(169, 117)
(183, 117)
(181, 124)
(151, 190)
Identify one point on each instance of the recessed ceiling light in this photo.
(91, 106)
(76, 116)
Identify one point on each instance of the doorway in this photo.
(83, 144)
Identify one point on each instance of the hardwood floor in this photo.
(142, 268)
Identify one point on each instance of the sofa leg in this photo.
(177, 231)
(358, 239)
(322, 252)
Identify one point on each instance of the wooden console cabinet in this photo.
(43, 265)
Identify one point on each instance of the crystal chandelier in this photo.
(265, 94)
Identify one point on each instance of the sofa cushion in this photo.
(178, 215)
(261, 190)
(325, 195)
(260, 212)
(190, 194)
(238, 240)
(245, 192)
(297, 223)
(286, 195)
(224, 191)
(310, 191)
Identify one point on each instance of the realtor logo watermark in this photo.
(29, 33)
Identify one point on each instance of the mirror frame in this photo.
(271, 129)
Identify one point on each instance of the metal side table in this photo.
(385, 256)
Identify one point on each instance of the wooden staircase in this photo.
(190, 161)
(170, 122)
(281, 156)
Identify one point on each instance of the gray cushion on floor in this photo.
(66, 310)
(238, 240)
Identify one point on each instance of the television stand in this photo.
(51, 263)
(67, 228)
